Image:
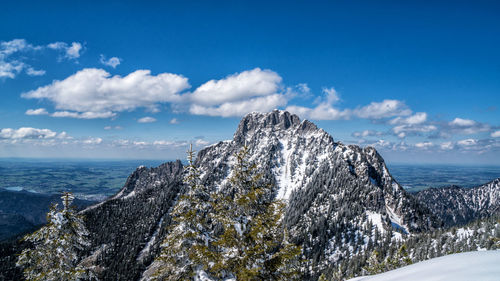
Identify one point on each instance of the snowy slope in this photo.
(482, 265)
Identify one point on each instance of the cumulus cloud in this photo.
(415, 119)
(325, 109)
(29, 133)
(158, 144)
(447, 145)
(112, 62)
(237, 87)
(412, 125)
(404, 130)
(146, 119)
(70, 51)
(424, 145)
(91, 141)
(467, 142)
(174, 121)
(10, 67)
(466, 127)
(366, 133)
(201, 142)
(495, 134)
(39, 111)
(462, 122)
(94, 93)
(238, 94)
(239, 108)
(385, 109)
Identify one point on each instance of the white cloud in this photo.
(238, 94)
(94, 93)
(39, 111)
(424, 145)
(146, 119)
(73, 51)
(446, 145)
(237, 87)
(107, 128)
(466, 126)
(10, 69)
(415, 119)
(384, 109)
(495, 134)
(325, 109)
(366, 133)
(332, 96)
(10, 47)
(13, 56)
(467, 142)
(239, 108)
(28, 133)
(84, 115)
(411, 125)
(112, 62)
(70, 51)
(174, 121)
(413, 129)
(92, 141)
(201, 142)
(462, 122)
(32, 72)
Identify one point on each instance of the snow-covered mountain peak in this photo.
(253, 124)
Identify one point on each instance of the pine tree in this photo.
(186, 249)
(253, 245)
(57, 246)
(374, 265)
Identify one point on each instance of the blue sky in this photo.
(142, 79)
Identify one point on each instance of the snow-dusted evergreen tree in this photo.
(374, 265)
(253, 245)
(56, 246)
(186, 249)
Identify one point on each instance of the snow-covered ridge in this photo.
(456, 205)
(482, 265)
(332, 191)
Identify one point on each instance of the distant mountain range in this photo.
(457, 206)
(341, 199)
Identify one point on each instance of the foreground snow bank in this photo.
(483, 265)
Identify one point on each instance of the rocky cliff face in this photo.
(127, 229)
(457, 206)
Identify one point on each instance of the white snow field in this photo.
(470, 266)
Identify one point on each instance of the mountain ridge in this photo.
(341, 200)
(457, 205)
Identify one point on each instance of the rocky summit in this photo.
(338, 196)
